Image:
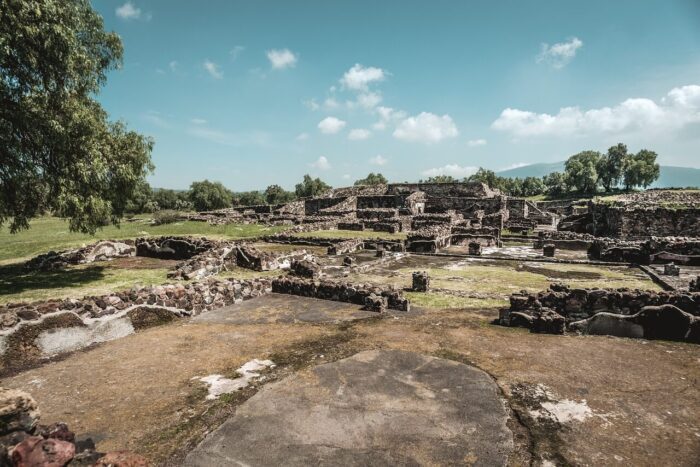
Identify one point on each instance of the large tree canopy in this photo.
(58, 150)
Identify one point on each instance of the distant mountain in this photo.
(671, 176)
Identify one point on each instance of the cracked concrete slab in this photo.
(378, 407)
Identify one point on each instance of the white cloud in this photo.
(472, 143)
(174, 66)
(560, 54)
(302, 137)
(386, 116)
(331, 125)
(331, 104)
(321, 164)
(359, 77)
(359, 134)
(346, 176)
(426, 128)
(450, 169)
(366, 100)
(281, 59)
(312, 104)
(680, 107)
(128, 11)
(378, 160)
(235, 52)
(198, 121)
(156, 118)
(213, 69)
(224, 138)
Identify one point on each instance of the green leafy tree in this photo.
(641, 170)
(166, 199)
(275, 194)
(441, 179)
(207, 196)
(310, 187)
(533, 186)
(555, 183)
(372, 179)
(139, 198)
(249, 198)
(611, 166)
(486, 176)
(59, 151)
(581, 171)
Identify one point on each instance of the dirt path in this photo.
(639, 401)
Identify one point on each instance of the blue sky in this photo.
(252, 93)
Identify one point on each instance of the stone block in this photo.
(421, 281)
(549, 250)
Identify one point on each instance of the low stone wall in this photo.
(682, 250)
(173, 247)
(354, 226)
(376, 214)
(103, 250)
(564, 240)
(30, 331)
(577, 304)
(339, 291)
(345, 247)
(429, 239)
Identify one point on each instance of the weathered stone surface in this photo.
(421, 281)
(18, 411)
(671, 270)
(121, 459)
(348, 261)
(475, 248)
(549, 250)
(57, 431)
(306, 268)
(388, 408)
(36, 451)
(548, 321)
(375, 303)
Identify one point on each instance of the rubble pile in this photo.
(103, 250)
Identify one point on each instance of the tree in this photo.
(275, 194)
(139, 199)
(555, 183)
(581, 171)
(641, 170)
(310, 187)
(533, 186)
(59, 152)
(486, 176)
(207, 196)
(441, 179)
(166, 199)
(249, 198)
(612, 165)
(372, 179)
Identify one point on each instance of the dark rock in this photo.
(548, 321)
(36, 451)
(421, 281)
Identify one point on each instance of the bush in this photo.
(166, 216)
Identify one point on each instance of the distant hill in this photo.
(671, 176)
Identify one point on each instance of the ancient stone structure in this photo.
(694, 285)
(475, 248)
(421, 281)
(103, 250)
(306, 268)
(375, 303)
(671, 270)
(345, 247)
(682, 250)
(548, 250)
(564, 240)
(338, 291)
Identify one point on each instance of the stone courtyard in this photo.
(412, 324)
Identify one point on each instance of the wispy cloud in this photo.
(560, 54)
(302, 137)
(235, 52)
(213, 69)
(198, 121)
(156, 118)
(680, 107)
(281, 59)
(359, 77)
(358, 134)
(472, 143)
(224, 138)
(378, 160)
(426, 128)
(129, 11)
(454, 170)
(331, 125)
(321, 164)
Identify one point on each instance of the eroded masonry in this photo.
(626, 267)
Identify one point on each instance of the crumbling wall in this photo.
(339, 291)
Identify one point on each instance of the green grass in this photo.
(51, 233)
(20, 285)
(443, 300)
(352, 234)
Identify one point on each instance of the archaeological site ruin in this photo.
(350, 286)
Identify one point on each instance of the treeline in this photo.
(208, 196)
(585, 173)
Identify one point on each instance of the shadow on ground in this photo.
(14, 278)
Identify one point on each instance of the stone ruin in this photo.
(421, 281)
(618, 312)
(104, 250)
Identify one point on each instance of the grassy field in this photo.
(51, 233)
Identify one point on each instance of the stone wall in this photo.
(643, 221)
(681, 250)
(429, 239)
(339, 291)
(103, 250)
(442, 190)
(30, 331)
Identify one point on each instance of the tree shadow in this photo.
(14, 278)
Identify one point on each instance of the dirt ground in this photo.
(641, 398)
